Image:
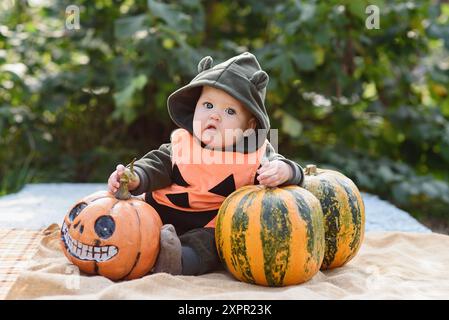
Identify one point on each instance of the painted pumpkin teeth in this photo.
(86, 252)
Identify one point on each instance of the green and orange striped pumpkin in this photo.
(271, 236)
(344, 214)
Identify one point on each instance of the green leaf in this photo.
(307, 11)
(126, 27)
(170, 15)
(123, 99)
(290, 125)
(305, 60)
(358, 8)
(282, 63)
(445, 145)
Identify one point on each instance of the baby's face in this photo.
(220, 120)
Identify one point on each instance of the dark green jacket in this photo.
(241, 77)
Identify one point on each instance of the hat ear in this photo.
(205, 63)
(260, 79)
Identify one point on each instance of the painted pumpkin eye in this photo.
(104, 227)
(76, 210)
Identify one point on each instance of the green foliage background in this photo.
(372, 104)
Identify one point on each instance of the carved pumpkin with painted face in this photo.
(115, 238)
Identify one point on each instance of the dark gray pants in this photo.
(199, 253)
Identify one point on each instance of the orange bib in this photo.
(203, 178)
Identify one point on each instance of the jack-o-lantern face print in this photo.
(118, 239)
(203, 178)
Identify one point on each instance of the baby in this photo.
(220, 146)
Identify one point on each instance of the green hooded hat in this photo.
(240, 76)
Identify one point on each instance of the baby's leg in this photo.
(193, 253)
(169, 258)
(199, 253)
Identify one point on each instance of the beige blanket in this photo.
(389, 266)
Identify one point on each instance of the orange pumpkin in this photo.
(116, 236)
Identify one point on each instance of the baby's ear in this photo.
(252, 123)
(260, 79)
(205, 63)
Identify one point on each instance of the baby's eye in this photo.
(230, 111)
(208, 105)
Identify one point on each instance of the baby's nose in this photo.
(215, 116)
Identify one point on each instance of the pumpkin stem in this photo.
(123, 191)
(310, 170)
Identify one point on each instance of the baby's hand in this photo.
(274, 173)
(114, 179)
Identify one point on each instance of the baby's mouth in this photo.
(210, 127)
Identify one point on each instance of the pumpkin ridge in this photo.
(226, 227)
(239, 228)
(218, 228)
(219, 223)
(107, 196)
(112, 208)
(356, 218)
(317, 224)
(140, 241)
(305, 215)
(276, 242)
(132, 268)
(331, 215)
